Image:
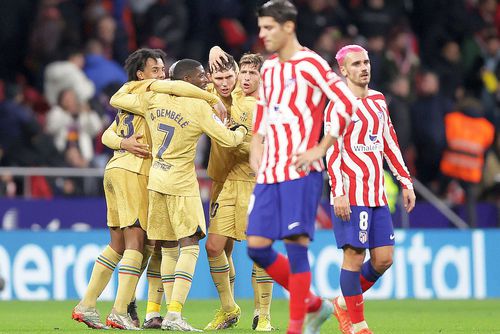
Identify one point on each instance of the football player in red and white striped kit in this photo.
(285, 155)
(361, 217)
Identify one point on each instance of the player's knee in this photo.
(213, 249)
(382, 264)
(263, 257)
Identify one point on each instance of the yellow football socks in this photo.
(183, 277)
(128, 275)
(155, 286)
(256, 299)
(219, 269)
(169, 257)
(101, 274)
(232, 273)
(265, 289)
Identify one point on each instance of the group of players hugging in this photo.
(264, 119)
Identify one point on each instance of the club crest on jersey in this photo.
(244, 116)
(363, 236)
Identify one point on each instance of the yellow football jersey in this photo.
(221, 161)
(124, 126)
(176, 124)
(242, 113)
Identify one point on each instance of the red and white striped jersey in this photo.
(290, 111)
(355, 161)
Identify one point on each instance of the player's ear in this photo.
(289, 27)
(140, 75)
(343, 70)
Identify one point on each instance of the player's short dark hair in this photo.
(228, 65)
(280, 10)
(136, 61)
(254, 59)
(183, 68)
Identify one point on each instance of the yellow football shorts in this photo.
(228, 214)
(174, 217)
(126, 197)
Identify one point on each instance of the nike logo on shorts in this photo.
(392, 237)
(293, 225)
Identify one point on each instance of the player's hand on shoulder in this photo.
(221, 110)
(409, 199)
(132, 145)
(342, 208)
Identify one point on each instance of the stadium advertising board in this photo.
(446, 264)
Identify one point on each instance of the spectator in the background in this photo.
(375, 18)
(165, 27)
(328, 43)
(398, 102)
(18, 128)
(490, 185)
(485, 13)
(316, 16)
(15, 26)
(428, 129)
(74, 127)
(48, 36)
(375, 45)
(483, 78)
(449, 70)
(68, 74)
(113, 40)
(432, 21)
(100, 70)
(468, 136)
(400, 57)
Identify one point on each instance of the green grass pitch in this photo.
(401, 317)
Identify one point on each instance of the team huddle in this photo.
(264, 120)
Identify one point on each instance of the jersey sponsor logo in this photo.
(377, 147)
(363, 236)
(164, 166)
(293, 225)
(373, 137)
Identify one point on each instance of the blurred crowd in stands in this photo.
(437, 61)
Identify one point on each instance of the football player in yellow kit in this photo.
(125, 183)
(175, 210)
(233, 184)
